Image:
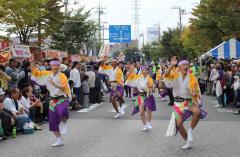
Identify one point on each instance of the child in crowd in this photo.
(86, 91)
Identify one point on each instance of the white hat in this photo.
(1, 91)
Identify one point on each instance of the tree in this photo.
(78, 34)
(195, 43)
(130, 53)
(27, 17)
(51, 21)
(214, 22)
(171, 44)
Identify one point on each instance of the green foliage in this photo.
(130, 53)
(26, 17)
(79, 33)
(214, 22)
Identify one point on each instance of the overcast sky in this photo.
(151, 11)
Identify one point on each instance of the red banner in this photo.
(4, 44)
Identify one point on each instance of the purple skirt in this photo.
(149, 103)
(163, 93)
(119, 89)
(55, 117)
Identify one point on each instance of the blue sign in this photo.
(120, 33)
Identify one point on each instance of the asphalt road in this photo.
(94, 133)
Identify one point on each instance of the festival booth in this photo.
(227, 50)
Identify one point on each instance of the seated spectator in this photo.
(6, 117)
(4, 78)
(16, 109)
(32, 108)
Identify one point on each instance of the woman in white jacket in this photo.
(218, 76)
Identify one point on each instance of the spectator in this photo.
(75, 77)
(86, 91)
(16, 109)
(66, 62)
(91, 82)
(45, 100)
(218, 78)
(41, 66)
(73, 103)
(32, 108)
(211, 78)
(98, 86)
(4, 78)
(6, 117)
(13, 72)
(46, 65)
(25, 75)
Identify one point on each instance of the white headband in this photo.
(183, 62)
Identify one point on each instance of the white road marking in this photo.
(92, 107)
(124, 106)
(224, 110)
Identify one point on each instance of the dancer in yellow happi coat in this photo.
(145, 100)
(116, 81)
(187, 97)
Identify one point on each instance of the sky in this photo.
(151, 12)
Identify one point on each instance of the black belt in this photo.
(57, 97)
(180, 99)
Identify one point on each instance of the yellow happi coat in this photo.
(134, 81)
(113, 74)
(192, 85)
(42, 79)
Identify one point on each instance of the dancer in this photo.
(116, 81)
(187, 97)
(145, 100)
(160, 83)
(57, 84)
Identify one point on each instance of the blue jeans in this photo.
(220, 100)
(77, 92)
(21, 120)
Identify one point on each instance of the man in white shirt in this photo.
(91, 82)
(17, 109)
(76, 78)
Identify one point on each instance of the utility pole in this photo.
(100, 12)
(181, 12)
(136, 19)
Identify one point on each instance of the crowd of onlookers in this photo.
(220, 78)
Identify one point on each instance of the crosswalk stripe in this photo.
(92, 107)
